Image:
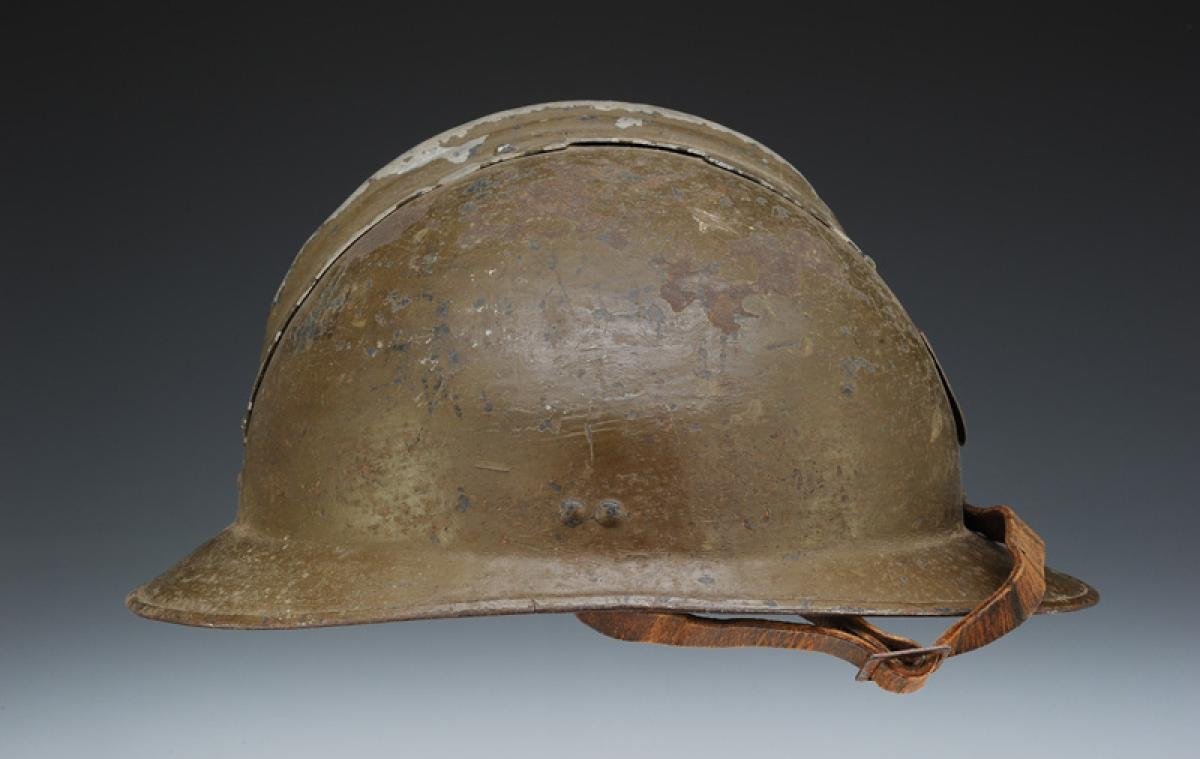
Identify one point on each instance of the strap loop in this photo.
(867, 670)
(892, 662)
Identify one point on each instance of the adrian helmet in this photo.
(616, 360)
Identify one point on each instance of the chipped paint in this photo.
(436, 147)
(427, 152)
(452, 147)
(851, 368)
(707, 220)
(493, 466)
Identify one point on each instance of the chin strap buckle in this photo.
(867, 670)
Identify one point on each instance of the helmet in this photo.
(615, 360)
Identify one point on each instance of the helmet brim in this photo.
(247, 580)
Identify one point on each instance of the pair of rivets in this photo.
(574, 512)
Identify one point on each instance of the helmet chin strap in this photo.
(892, 662)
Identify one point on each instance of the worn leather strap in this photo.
(894, 663)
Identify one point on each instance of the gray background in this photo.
(1026, 183)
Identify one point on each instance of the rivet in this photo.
(610, 512)
(571, 512)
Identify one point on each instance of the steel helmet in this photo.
(615, 360)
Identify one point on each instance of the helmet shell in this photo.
(587, 356)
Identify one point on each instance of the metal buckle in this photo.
(867, 670)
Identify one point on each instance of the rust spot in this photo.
(776, 270)
(721, 300)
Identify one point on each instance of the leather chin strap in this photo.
(894, 663)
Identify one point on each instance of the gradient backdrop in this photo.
(1027, 184)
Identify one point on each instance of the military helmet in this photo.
(616, 360)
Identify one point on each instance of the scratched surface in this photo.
(598, 376)
(513, 134)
